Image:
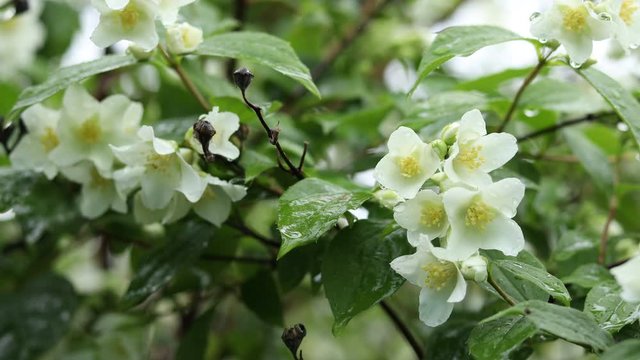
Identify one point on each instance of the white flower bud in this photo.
(474, 268)
(388, 198)
(449, 133)
(140, 53)
(440, 147)
(183, 38)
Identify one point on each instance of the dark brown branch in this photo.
(404, 329)
(247, 231)
(554, 128)
(304, 153)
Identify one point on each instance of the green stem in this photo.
(186, 80)
(500, 291)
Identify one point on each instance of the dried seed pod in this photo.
(292, 338)
(242, 77)
(204, 131)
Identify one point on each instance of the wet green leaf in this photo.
(608, 309)
(496, 339)
(538, 277)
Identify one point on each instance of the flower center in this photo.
(479, 214)
(129, 16)
(49, 139)
(470, 156)
(98, 181)
(409, 166)
(574, 19)
(627, 10)
(438, 274)
(158, 162)
(90, 130)
(432, 215)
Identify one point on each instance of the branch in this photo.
(613, 208)
(553, 128)
(175, 65)
(500, 291)
(247, 231)
(404, 329)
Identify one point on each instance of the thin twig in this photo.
(613, 208)
(245, 259)
(175, 65)
(304, 153)
(553, 128)
(247, 231)
(500, 291)
(404, 329)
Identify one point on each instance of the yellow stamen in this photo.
(470, 156)
(432, 215)
(158, 162)
(49, 139)
(479, 214)
(627, 9)
(439, 273)
(409, 166)
(129, 16)
(90, 130)
(574, 19)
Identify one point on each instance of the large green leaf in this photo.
(564, 322)
(497, 338)
(186, 243)
(620, 99)
(66, 76)
(513, 285)
(608, 309)
(254, 163)
(36, 318)
(460, 41)
(538, 277)
(310, 208)
(588, 276)
(262, 49)
(260, 294)
(449, 340)
(627, 350)
(356, 272)
(591, 157)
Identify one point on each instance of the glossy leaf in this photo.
(595, 162)
(254, 163)
(588, 276)
(620, 99)
(460, 41)
(185, 244)
(260, 294)
(263, 49)
(310, 208)
(603, 302)
(66, 76)
(356, 272)
(512, 284)
(497, 338)
(538, 277)
(628, 350)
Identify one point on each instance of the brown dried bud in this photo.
(242, 77)
(204, 131)
(292, 338)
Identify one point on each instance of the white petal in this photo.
(410, 266)
(128, 179)
(78, 104)
(224, 148)
(505, 235)
(191, 184)
(66, 154)
(410, 214)
(578, 46)
(627, 276)
(434, 308)
(160, 146)
(505, 195)
(496, 150)
(215, 206)
(403, 141)
(95, 201)
(116, 4)
(158, 187)
(460, 289)
(29, 154)
(235, 192)
(132, 155)
(38, 117)
(472, 126)
(145, 215)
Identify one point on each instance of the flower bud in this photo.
(388, 198)
(139, 53)
(183, 38)
(440, 147)
(292, 338)
(203, 131)
(242, 77)
(474, 268)
(449, 133)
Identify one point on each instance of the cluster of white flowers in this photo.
(134, 20)
(627, 276)
(464, 208)
(20, 37)
(577, 23)
(102, 146)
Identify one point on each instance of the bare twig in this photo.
(304, 153)
(404, 329)
(550, 129)
(613, 208)
(500, 291)
(175, 65)
(247, 231)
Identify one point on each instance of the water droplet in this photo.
(531, 112)
(622, 126)
(604, 16)
(543, 40)
(574, 64)
(534, 16)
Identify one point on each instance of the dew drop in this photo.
(543, 40)
(534, 16)
(604, 16)
(622, 127)
(531, 112)
(574, 64)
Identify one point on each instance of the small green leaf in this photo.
(356, 272)
(460, 41)
(260, 294)
(263, 49)
(193, 345)
(66, 76)
(497, 338)
(588, 276)
(591, 157)
(620, 99)
(564, 322)
(512, 284)
(538, 277)
(186, 242)
(310, 208)
(608, 309)
(627, 350)
(254, 163)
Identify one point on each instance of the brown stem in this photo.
(247, 231)
(613, 208)
(404, 329)
(550, 129)
(175, 65)
(500, 291)
(304, 153)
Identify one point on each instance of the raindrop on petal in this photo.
(574, 64)
(534, 16)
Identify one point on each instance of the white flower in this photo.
(33, 150)
(388, 198)
(169, 9)
(475, 154)
(225, 124)
(423, 216)
(175, 210)
(132, 20)
(98, 193)
(575, 24)
(627, 21)
(441, 282)
(409, 163)
(183, 38)
(481, 219)
(155, 165)
(215, 204)
(20, 37)
(627, 275)
(87, 128)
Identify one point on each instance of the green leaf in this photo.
(497, 338)
(564, 322)
(62, 21)
(260, 294)
(293, 267)
(356, 272)
(460, 41)
(254, 163)
(449, 340)
(36, 318)
(620, 99)
(66, 76)
(608, 309)
(310, 208)
(184, 245)
(443, 108)
(512, 284)
(559, 95)
(570, 244)
(193, 345)
(628, 350)
(263, 49)
(588, 276)
(538, 277)
(595, 162)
